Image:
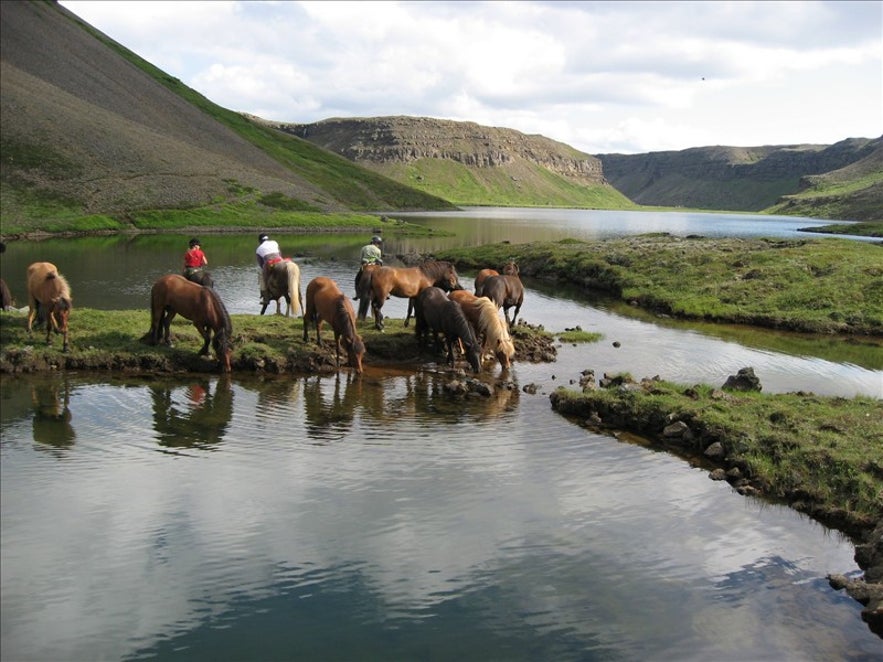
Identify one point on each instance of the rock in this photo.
(718, 474)
(744, 380)
(677, 430)
(715, 451)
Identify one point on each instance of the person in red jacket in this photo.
(194, 259)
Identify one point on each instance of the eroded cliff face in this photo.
(408, 139)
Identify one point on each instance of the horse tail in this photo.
(294, 287)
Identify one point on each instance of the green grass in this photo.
(816, 286)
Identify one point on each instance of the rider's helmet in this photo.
(376, 240)
(262, 238)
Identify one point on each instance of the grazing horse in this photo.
(506, 292)
(175, 295)
(49, 292)
(378, 284)
(489, 328)
(326, 303)
(283, 280)
(509, 269)
(435, 313)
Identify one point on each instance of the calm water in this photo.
(337, 518)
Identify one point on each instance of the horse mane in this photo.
(492, 326)
(460, 325)
(226, 323)
(434, 268)
(345, 325)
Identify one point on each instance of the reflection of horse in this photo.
(435, 313)
(283, 280)
(509, 269)
(489, 328)
(194, 416)
(329, 408)
(377, 285)
(175, 295)
(326, 303)
(506, 292)
(49, 290)
(200, 277)
(52, 415)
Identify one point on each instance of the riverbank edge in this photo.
(623, 406)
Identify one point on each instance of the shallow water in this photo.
(340, 518)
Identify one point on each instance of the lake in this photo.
(329, 517)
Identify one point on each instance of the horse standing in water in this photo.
(378, 284)
(435, 313)
(506, 292)
(509, 269)
(326, 303)
(175, 295)
(486, 323)
(50, 295)
(283, 280)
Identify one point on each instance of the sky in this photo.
(604, 77)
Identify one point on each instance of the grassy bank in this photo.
(822, 455)
(813, 285)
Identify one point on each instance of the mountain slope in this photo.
(90, 127)
(467, 163)
(744, 178)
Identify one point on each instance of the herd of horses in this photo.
(447, 316)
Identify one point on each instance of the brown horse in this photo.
(50, 295)
(509, 269)
(435, 313)
(489, 328)
(378, 284)
(283, 280)
(506, 292)
(200, 277)
(326, 303)
(175, 295)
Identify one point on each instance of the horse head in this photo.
(221, 345)
(355, 350)
(449, 280)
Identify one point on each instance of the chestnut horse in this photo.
(506, 292)
(326, 303)
(50, 295)
(509, 269)
(489, 328)
(283, 280)
(435, 313)
(175, 295)
(378, 284)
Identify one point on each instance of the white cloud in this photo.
(601, 76)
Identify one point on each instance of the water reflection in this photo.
(52, 414)
(330, 406)
(191, 416)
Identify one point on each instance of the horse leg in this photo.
(166, 323)
(410, 309)
(337, 349)
(376, 304)
(206, 333)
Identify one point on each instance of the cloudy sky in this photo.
(626, 77)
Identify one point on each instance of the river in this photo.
(199, 517)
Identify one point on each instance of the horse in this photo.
(50, 295)
(6, 300)
(378, 284)
(489, 328)
(283, 280)
(505, 291)
(200, 277)
(509, 269)
(435, 313)
(175, 295)
(326, 303)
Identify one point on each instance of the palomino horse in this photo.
(283, 280)
(49, 293)
(435, 313)
(489, 328)
(506, 292)
(326, 303)
(509, 269)
(175, 295)
(378, 284)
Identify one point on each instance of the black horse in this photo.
(200, 277)
(435, 313)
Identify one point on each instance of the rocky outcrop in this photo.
(407, 139)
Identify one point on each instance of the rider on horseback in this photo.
(194, 259)
(267, 254)
(370, 254)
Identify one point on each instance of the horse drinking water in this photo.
(379, 283)
(175, 295)
(435, 313)
(50, 294)
(489, 329)
(327, 303)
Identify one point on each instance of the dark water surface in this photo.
(335, 518)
